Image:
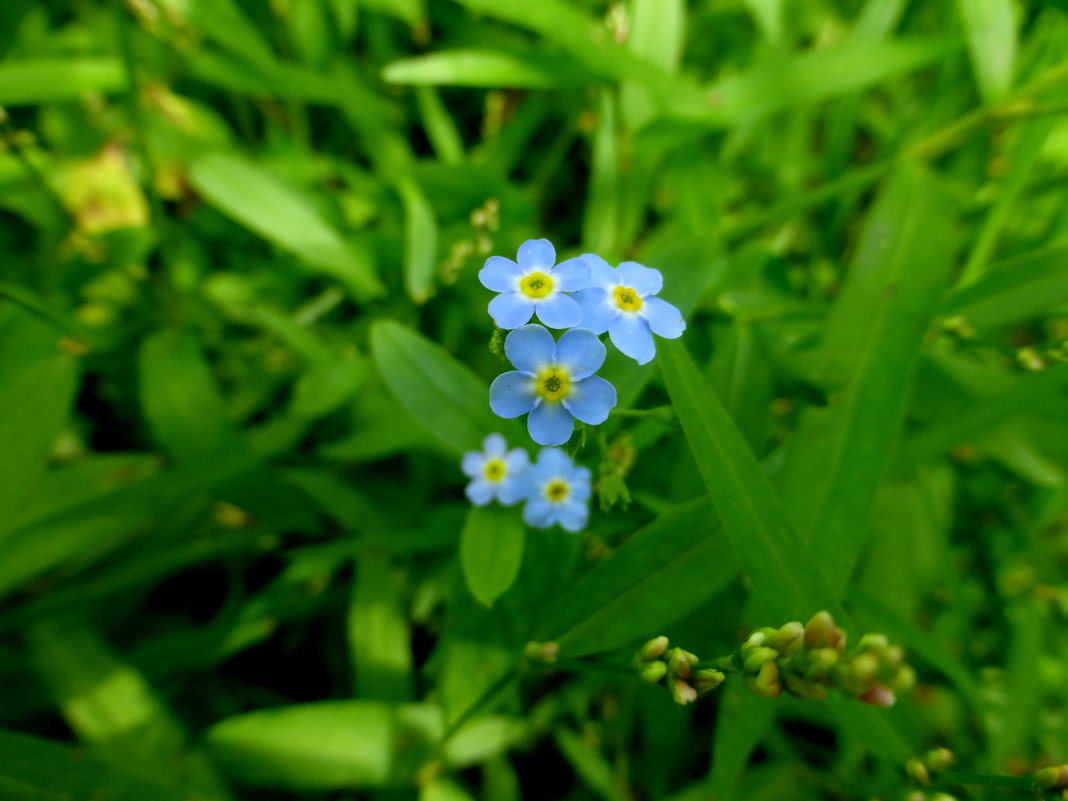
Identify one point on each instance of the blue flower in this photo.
(555, 382)
(534, 285)
(495, 472)
(557, 491)
(623, 302)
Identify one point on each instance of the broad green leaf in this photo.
(661, 573)
(491, 550)
(420, 241)
(35, 769)
(743, 719)
(590, 765)
(37, 385)
(379, 641)
(1013, 291)
(410, 11)
(990, 28)
(658, 31)
(873, 338)
(320, 746)
(29, 82)
(443, 790)
(784, 575)
(438, 391)
(263, 203)
(478, 68)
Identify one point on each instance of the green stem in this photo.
(581, 666)
(663, 414)
(484, 700)
(956, 778)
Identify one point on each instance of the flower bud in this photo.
(938, 759)
(820, 663)
(705, 681)
(679, 662)
(878, 695)
(546, 652)
(654, 649)
(801, 688)
(757, 658)
(766, 683)
(652, 672)
(788, 639)
(682, 692)
(917, 771)
(820, 632)
(1055, 777)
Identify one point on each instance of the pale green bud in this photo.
(757, 658)
(682, 692)
(652, 672)
(917, 771)
(820, 663)
(766, 683)
(707, 680)
(789, 638)
(679, 661)
(820, 632)
(938, 759)
(798, 686)
(541, 651)
(654, 649)
(1055, 777)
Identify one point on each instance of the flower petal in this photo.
(537, 254)
(597, 312)
(602, 274)
(494, 446)
(516, 461)
(580, 352)
(630, 333)
(479, 492)
(500, 274)
(510, 490)
(552, 463)
(510, 310)
(571, 275)
(550, 424)
(572, 515)
(664, 319)
(512, 394)
(645, 279)
(538, 513)
(591, 400)
(472, 463)
(530, 348)
(559, 311)
(580, 483)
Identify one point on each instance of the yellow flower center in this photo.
(553, 384)
(626, 299)
(494, 470)
(557, 490)
(536, 285)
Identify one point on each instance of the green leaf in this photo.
(784, 576)
(662, 572)
(320, 746)
(491, 550)
(488, 69)
(379, 640)
(34, 769)
(590, 765)
(264, 204)
(37, 384)
(990, 27)
(873, 338)
(442, 394)
(29, 82)
(420, 241)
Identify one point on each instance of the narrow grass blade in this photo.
(990, 28)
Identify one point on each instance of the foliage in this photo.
(243, 347)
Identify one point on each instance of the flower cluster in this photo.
(555, 490)
(804, 660)
(554, 381)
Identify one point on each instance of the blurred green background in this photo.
(231, 516)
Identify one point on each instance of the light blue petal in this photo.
(510, 490)
(630, 333)
(602, 274)
(472, 463)
(591, 400)
(494, 446)
(571, 275)
(479, 492)
(580, 352)
(550, 424)
(580, 483)
(559, 311)
(537, 254)
(538, 513)
(512, 394)
(645, 279)
(572, 515)
(500, 274)
(553, 463)
(530, 348)
(516, 461)
(664, 319)
(510, 310)
(597, 312)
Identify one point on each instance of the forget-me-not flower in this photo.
(554, 382)
(557, 491)
(623, 302)
(534, 286)
(495, 472)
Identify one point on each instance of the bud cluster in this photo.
(921, 769)
(802, 660)
(1054, 777)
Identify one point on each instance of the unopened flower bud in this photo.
(679, 661)
(802, 688)
(541, 651)
(766, 683)
(878, 695)
(757, 658)
(917, 771)
(904, 680)
(705, 681)
(938, 759)
(788, 639)
(682, 692)
(820, 662)
(820, 632)
(652, 672)
(1055, 777)
(654, 649)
